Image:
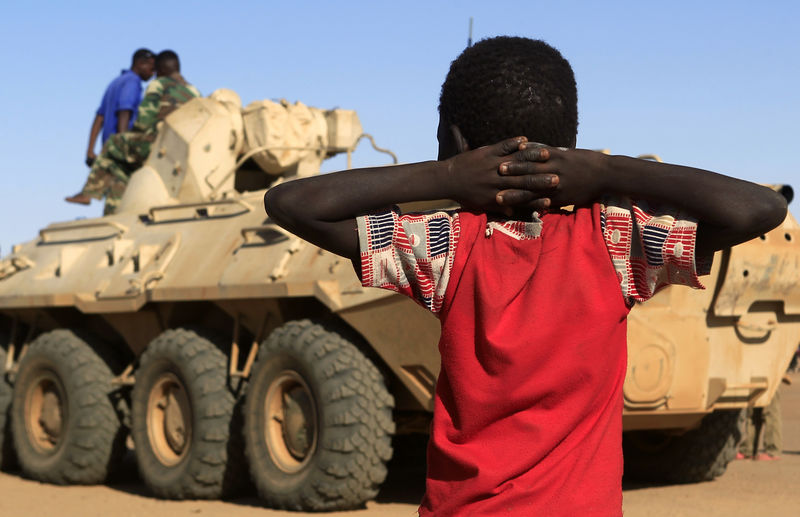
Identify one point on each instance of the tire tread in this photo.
(213, 469)
(95, 436)
(701, 454)
(355, 428)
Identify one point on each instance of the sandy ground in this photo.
(748, 489)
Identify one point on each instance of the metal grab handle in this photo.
(266, 227)
(117, 226)
(295, 244)
(754, 327)
(151, 213)
(138, 285)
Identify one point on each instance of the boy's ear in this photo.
(462, 145)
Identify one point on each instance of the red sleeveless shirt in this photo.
(528, 406)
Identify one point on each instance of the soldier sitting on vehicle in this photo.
(123, 153)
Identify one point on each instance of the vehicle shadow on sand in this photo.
(405, 481)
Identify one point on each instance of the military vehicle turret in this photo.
(223, 343)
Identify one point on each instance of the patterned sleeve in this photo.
(651, 247)
(410, 254)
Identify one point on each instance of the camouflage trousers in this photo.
(122, 154)
(772, 429)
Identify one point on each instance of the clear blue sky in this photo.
(711, 84)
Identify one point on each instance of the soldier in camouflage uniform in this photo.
(123, 153)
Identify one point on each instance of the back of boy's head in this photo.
(509, 86)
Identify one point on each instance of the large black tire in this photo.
(701, 454)
(65, 427)
(318, 421)
(182, 415)
(6, 393)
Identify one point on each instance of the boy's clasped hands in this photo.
(516, 173)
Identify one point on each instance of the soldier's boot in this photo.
(95, 187)
(80, 198)
(101, 175)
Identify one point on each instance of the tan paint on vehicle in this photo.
(191, 234)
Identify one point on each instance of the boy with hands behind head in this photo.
(532, 299)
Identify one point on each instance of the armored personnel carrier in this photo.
(227, 347)
(697, 358)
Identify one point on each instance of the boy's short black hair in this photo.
(507, 86)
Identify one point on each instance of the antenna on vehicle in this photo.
(469, 40)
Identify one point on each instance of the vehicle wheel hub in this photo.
(296, 423)
(45, 410)
(173, 425)
(169, 419)
(50, 419)
(291, 423)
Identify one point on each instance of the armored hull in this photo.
(221, 342)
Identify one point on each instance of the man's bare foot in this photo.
(763, 456)
(81, 199)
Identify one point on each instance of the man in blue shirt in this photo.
(117, 110)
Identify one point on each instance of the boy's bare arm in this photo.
(729, 210)
(322, 209)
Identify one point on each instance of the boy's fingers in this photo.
(533, 145)
(533, 153)
(542, 203)
(514, 197)
(531, 182)
(510, 146)
(520, 168)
